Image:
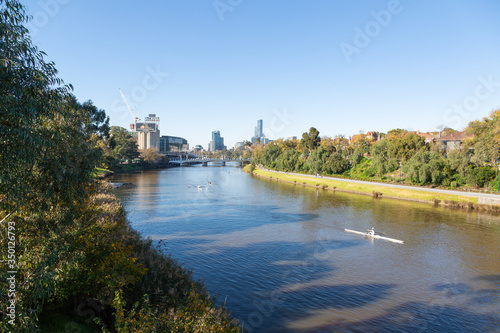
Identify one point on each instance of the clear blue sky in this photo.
(335, 65)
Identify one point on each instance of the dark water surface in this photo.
(278, 255)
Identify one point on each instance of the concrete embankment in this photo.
(377, 190)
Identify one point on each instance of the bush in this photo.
(453, 184)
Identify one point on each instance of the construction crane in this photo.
(136, 118)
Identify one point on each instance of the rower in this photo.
(371, 232)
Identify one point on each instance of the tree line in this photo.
(400, 156)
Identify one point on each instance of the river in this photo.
(279, 259)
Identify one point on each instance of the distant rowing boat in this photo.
(375, 236)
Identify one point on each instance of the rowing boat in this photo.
(375, 236)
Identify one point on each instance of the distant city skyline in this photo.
(339, 66)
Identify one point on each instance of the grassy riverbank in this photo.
(375, 190)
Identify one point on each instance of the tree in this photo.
(317, 160)
(270, 155)
(123, 144)
(381, 158)
(310, 140)
(289, 159)
(396, 133)
(31, 95)
(151, 156)
(336, 164)
(329, 145)
(425, 167)
(486, 139)
(404, 148)
(459, 160)
(48, 153)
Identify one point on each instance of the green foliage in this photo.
(396, 133)
(102, 261)
(425, 167)
(252, 167)
(271, 154)
(486, 140)
(336, 164)
(30, 97)
(48, 154)
(404, 148)
(480, 176)
(198, 315)
(290, 160)
(365, 169)
(317, 160)
(57, 322)
(311, 140)
(357, 155)
(382, 160)
(151, 156)
(72, 241)
(123, 145)
(423, 163)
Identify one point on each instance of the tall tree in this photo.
(47, 155)
(486, 139)
(310, 140)
(404, 148)
(123, 144)
(30, 95)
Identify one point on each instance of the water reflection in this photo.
(277, 254)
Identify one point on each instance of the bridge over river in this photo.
(212, 161)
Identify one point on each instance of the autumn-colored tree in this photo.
(486, 139)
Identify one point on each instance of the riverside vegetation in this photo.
(400, 155)
(377, 191)
(70, 260)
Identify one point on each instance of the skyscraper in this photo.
(259, 133)
(258, 129)
(217, 142)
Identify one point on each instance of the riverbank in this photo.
(118, 269)
(378, 190)
(101, 173)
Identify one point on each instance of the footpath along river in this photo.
(278, 257)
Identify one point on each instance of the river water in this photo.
(279, 259)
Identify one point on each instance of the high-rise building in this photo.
(259, 133)
(258, 129)
(217, 142)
